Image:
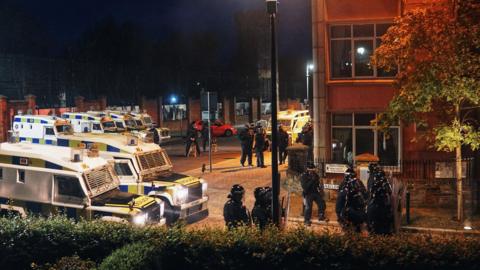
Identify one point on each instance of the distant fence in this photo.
(420, 170)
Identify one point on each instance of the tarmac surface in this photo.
(227, 171)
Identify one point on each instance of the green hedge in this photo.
(40, 241)
(301, 249)
(64, 243)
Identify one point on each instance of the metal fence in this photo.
(419, 170)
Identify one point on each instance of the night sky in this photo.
(66, 20)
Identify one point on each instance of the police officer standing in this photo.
(312, 192)
(192, 137)
(351, 200)
(204, 133)
(379, 208)
(306, 138)
(246, 143)
(262, 210)
(234, 212)
(282, 144)
(260, 145)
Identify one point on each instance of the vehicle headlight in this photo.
(140, 219)
(204, 188)
(181, 194)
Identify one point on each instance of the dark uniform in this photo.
(204, 132)
(260, 145)
(262, 210)
(192, 137)
(350, 206)
(312, 192)
(306, 138)
(379, 208)
(282, 144)
(246, 142)
(235, 213)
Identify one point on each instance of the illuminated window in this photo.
(351, 46)
(353, 135)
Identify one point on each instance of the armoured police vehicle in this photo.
(48, 179)
(139, 124)
(293, 122)
(84, 122)
(143, 168)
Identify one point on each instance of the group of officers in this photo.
(355, 205)
(253, 138)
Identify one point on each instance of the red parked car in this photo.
(219, 129)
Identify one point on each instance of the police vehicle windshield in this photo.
(109, 124)
(66, 129)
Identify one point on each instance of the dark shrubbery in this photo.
(40, 241)
(302, 249)
(120, 246)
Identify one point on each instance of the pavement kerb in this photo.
(413, 229)
(408, 229)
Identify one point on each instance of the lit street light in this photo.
(308, 68)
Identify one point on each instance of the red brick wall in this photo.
(4, 126)
(83, 105)
(359, 97)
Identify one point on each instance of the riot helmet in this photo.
(236, 192)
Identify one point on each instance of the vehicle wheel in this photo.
(228, 133)
(170, 214)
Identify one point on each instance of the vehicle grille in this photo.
(154, 213)
(151, 160)
(100, 180)
(194, 192)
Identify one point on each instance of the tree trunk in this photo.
(458, 169)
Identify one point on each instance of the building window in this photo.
(353, 135)
(1, 173)
(21, 176)
(351, 47)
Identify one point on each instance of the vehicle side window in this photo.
(122, 168)
(49, 131)
(21, 176)
(68, 189)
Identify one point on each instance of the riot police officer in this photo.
(262, 210)
(350, 206)
(312, 192)
(234, 212)
(379, 208)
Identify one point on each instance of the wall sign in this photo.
(335, 168)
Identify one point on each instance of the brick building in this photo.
(348, 91)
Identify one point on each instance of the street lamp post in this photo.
(308, 68)
(272, 11)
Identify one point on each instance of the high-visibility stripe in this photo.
(133, 189)
(31, 162)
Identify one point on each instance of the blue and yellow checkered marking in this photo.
(29, 120)
(72, 143)
(78, 117)
(31, 162)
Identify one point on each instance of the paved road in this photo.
(228, 148)
(227, 171)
